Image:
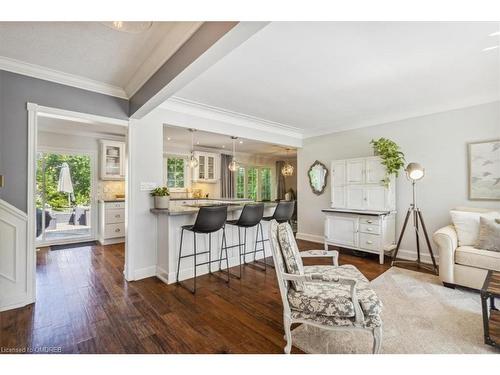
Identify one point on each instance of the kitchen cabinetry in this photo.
(111, 222)
(208, 167)
(112, 166)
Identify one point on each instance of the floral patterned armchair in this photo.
(330, 297)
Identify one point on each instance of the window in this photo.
(254, 183)
(240, 183)
(176, 173)
(265, 184)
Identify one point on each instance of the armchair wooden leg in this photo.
(288, 335)
(377, 340)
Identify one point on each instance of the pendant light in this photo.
(233, 166)
(287, 169)
(131, 27)
(193, 162)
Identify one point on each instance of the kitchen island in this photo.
(170, 222)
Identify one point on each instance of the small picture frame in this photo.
(484, 170)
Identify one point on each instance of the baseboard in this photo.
(162, 274)
(143, 273)
(402, 254)
(310, 237)
(412, 255)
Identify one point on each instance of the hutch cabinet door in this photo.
(375, 171)
(342, 230)
(356, 197)
(355, 171)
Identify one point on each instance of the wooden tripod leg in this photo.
(417, 233)
(401, 236)
(427, 240)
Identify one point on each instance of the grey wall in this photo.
(438, 142)
(15, 91)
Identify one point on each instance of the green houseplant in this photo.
(161, 197)
(392, 157)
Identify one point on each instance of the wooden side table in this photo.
(491, 315)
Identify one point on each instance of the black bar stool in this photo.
(283, 213)
(209, 220)
(250, 216)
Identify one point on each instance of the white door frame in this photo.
(35, 111)
(93, 154)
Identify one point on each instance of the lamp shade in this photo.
(414, 171)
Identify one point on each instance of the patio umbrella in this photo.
(64, 185)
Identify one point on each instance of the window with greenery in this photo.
(47, 178)
(265, 184)
(254, 183)
(176, 173)
(240, 183)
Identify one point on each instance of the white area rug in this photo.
(420, 316)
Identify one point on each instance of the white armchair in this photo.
(463, 265)
(330, 297)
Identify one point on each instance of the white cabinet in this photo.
(208, 167)
(357, 184)
(111, 222)
(370, 232)
(112, 160)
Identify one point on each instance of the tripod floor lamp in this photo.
(415, 172)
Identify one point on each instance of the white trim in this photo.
(143, 273)
(85, 118)
(402, 117)
(89, 134)
(47, 74)
(13, 210)
(403, 254)
(194, 108)
(311, 238)
(93, 154)
(34, 110)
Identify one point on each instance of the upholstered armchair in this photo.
(330, 297)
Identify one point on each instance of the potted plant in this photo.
(392, 157)
(161, 197)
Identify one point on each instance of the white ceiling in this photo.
(321, 77)
(92, 51)
(181, 138)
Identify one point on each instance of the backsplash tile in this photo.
(109, 189)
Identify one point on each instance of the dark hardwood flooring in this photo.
(84, 305)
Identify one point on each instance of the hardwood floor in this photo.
(84, 305)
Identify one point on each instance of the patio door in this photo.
(65, 204)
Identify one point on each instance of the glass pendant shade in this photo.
(193, 162)
(233, 166)
(287, 170)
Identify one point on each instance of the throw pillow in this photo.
(291, 255)
(489, 233)
(466, 224)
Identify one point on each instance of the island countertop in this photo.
(194, 208)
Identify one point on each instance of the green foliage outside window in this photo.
(175, 173)
(252, 183)
(265, 184)
(79, 166)
(240, 183)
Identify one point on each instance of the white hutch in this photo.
(363, 210)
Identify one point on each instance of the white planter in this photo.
(162, 202)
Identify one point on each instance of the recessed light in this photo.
(223, 146)
(490, 48)
(168, 138)
(241, 142)
(496, 33)
(198, 142)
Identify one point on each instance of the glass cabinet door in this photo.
(201, 166)
(113, 158)
(211, 167)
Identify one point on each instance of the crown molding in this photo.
(40, 72)
(483, 100)
(194, 108)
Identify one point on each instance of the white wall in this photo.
(437, 141)
(145, 165)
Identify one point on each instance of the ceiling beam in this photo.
(211, 42)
